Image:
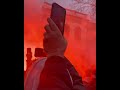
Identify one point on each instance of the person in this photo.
(29, 60)
(55, 72)
(39, 53)
(29, 57)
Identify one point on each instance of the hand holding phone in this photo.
(58, 15)
(54, 43)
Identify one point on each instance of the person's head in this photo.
(39, 52)
(29, 54)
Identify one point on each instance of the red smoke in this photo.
(81, 51)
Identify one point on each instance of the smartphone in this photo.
(58, 15)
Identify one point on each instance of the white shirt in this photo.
(32, 78)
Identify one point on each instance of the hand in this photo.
(54, 43)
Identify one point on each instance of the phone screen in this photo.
(58, 15)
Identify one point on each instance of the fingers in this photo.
(51, 32)
(48, 29)
(45, 40)
(53, 25)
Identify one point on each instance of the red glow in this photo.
(81, 52)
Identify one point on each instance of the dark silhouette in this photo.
(28, 61)
(29, 57)
(39, 52)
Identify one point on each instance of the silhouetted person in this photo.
(28, 61)
(29, 57)
(39, 52)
